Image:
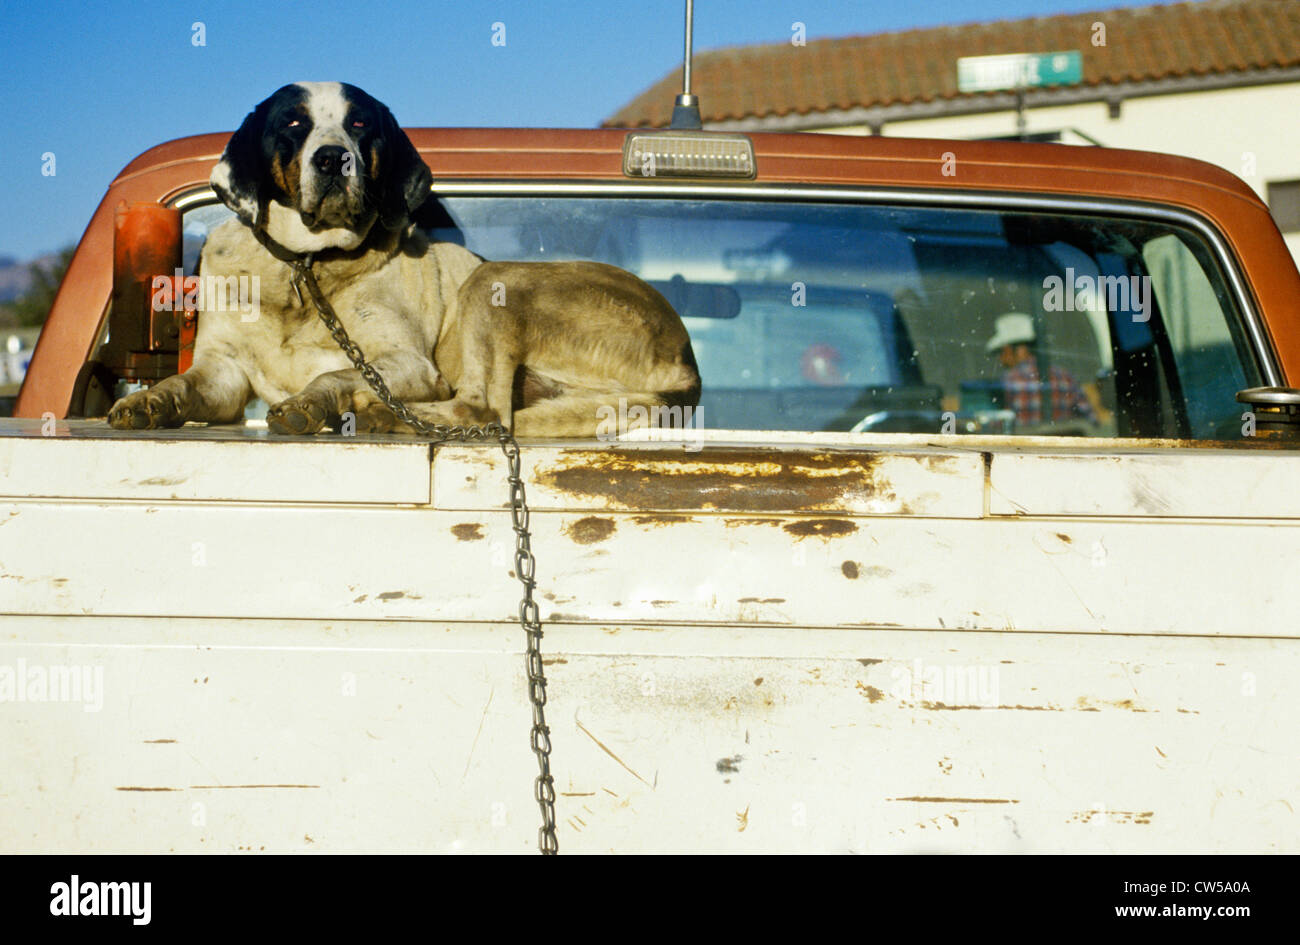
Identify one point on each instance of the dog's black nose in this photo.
(328, 159)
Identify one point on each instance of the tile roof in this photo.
(1212, 37)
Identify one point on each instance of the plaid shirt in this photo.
(1024, 394)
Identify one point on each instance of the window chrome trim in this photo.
(1266, 356)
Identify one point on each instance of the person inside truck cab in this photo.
(1015, 345)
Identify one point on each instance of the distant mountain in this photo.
(16, 276)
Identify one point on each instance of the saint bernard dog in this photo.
(323, 168)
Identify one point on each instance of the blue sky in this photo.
(96, 84)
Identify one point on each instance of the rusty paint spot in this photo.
(662, 603)
(870, 662)
(1159, 752)
(394, 595)
(758, 681)
(742, 820)
(730, 765)
(872, 694)
(590, 530)
(159, 741)
(577, 793)
(662, 518)
(850, 569)
(1065, 538)
(821, 528)
(1084, 704)
(469, 531)
(554, 660)
(761, 600)
(737, 479)
(954, 800)
(1114, 816)
(357, 600)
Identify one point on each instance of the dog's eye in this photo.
(294, 123)
(358, 123)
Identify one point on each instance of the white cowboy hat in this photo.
(1013, 328)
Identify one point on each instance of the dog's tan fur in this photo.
(540, 346)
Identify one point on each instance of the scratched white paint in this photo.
(336, 672)
(253, 469)
(1258, 484)
(1094, 744)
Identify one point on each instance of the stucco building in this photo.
(1217, 80)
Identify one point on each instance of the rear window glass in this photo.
(834, 316)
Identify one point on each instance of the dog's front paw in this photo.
(375, 418)
(147, 409)
(297, 415)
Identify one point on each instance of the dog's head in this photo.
(317, 164)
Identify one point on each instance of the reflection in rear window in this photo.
(835, 316)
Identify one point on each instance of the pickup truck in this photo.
(881, 594)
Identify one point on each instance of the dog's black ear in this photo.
(404, 177)
(240, 176)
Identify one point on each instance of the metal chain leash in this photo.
(525, 563)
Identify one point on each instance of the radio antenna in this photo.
(686, 109)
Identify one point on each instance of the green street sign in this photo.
(1018, 71)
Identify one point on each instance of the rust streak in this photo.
(663, 518)
(241, 787)
(955, 800)
(821, 528)
(602, 747)
(479, 731)
(146, 789)
(943, 706)
(159, 741)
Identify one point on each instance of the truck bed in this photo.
(844, 642)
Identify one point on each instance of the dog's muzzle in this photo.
(332, 191)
